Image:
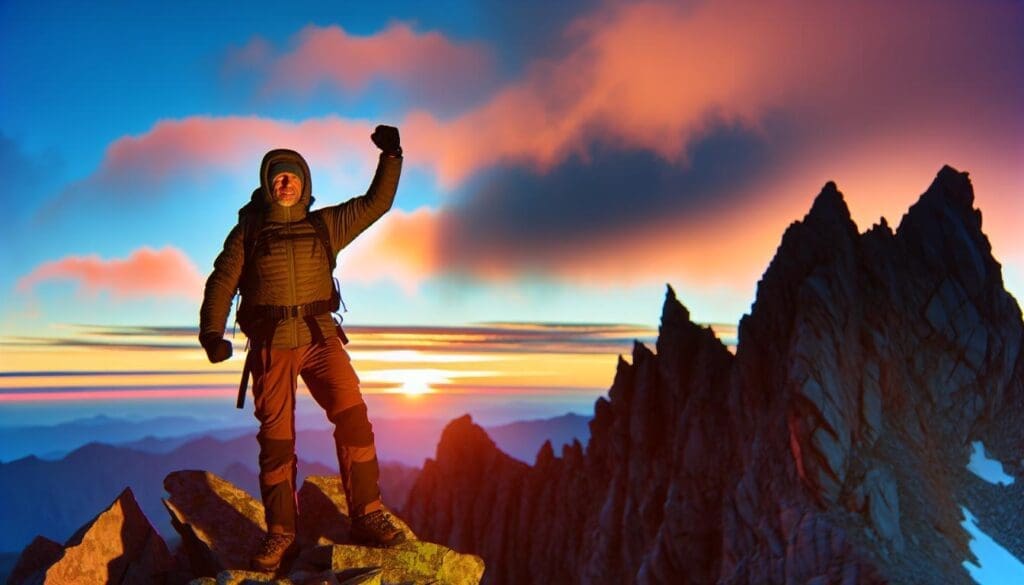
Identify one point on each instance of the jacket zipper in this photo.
(291, 277)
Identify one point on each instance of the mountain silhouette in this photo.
(832, 447)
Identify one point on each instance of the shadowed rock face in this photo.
(832, 447)
(219, 523)
(323, 512)
(35, 559)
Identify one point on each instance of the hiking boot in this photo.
(376, 529)
(273, 549)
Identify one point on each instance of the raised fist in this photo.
(217, 349)
(386, 139)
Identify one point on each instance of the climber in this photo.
(280, 257)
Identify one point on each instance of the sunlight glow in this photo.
(415, 388)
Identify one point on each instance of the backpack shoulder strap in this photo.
(250, 217)
(317, 221)
(325, 238)
(251, 225)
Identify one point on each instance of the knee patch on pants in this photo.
(352, 426)
(277, 461)
(277, 483)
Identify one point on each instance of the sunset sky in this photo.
(563, 162)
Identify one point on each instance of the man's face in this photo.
(287, 189)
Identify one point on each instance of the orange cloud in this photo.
(401, 247)
(427, 61)
(407, 248)
(146, 272)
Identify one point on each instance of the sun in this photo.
(415, 388)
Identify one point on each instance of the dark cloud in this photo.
(521, 32)
(516, 211)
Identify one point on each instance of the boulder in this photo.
(219, 523)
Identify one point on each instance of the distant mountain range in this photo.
(55, 441)
(407, 441)
(54, 497)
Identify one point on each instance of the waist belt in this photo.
(282, 312)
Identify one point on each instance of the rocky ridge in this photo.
(220, 525)
(831, 448)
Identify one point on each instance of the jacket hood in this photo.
(262, 198)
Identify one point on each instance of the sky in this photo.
(563, 161)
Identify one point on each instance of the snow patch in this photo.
(996, 565)
(988, 469)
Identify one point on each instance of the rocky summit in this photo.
(220, 526)
(832, 447)
(119, 545)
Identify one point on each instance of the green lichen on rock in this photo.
(365, 576)
(413, 561)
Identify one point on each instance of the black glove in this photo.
(386, 139)
(217, 348)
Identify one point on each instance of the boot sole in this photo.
(286, 559)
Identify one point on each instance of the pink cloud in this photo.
(651, 75)
(420, 62)
(194, 149)
(146, 272)
(401, 247)
(198, 142)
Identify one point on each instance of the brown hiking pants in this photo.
(327, 371)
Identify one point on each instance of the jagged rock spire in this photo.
(830, 448)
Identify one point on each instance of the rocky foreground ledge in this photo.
(220, 525)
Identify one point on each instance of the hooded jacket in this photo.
(289, 265)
